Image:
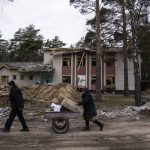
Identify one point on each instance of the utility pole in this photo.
(98, 54)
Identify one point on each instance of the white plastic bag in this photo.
(56, 107)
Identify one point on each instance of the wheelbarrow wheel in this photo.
(60, 125)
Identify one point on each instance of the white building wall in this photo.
(120, 73)
(48, 57)
(57, 64)
(26, 82)
(10, 73)
(30, 83)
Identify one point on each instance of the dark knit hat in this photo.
(11, 83)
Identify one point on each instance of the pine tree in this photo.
(26, 45)
(87, 6)
(4, 44)
(54, 43)
(137, 11)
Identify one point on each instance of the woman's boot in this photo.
(101, 125)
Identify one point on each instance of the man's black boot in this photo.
(24, 130)
(5, 130)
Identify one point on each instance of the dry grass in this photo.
(115, 101)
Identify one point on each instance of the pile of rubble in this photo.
(127, 112)
(50, 93)
(4, 91)
(4, 111)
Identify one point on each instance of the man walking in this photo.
(17, 105)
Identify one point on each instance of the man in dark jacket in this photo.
(89, 110)
(17, 105)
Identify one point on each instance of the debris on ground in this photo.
(126, 112)
(4, 111)
(58, 94)
(50, 93)
(71, 105)
(4, 92)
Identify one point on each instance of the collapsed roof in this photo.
(59, 51)
(28, 66)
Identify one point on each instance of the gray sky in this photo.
(52, 17)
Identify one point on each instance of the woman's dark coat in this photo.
(88, 105)
(16, 98)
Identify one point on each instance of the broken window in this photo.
(110, 81)
(66, 61)
(14, 77)
(31, 77)
(66, 79)
(93, 80)
(22, 77)
(110, 62)
(80, 61)
(93, 61)
(4, 79)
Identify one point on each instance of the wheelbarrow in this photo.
(60, 120)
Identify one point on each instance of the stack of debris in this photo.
(50, 93)
(61, 94)
(146, 109)
(117, 113)
(4, 111)
(127, 112)
(4, 91)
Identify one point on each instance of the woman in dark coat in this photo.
(17, 105)
(89, 110)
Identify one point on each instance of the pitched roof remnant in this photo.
(4, 65)
(59, 51)
(36, 68)
(27, 66)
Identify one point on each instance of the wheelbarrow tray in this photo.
(66, 115)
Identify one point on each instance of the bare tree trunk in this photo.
(138, 101)
(135, 56)
(98, 54)
(125, 55)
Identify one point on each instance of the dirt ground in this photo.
(118, 134)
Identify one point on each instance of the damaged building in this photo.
(70, 65)
(25, 73)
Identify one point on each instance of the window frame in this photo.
(93, 79)
(21, 77)
(67, 60)
(82, 64)
(111, 79)
(30, 77)
(93, 61)
(63, 77)
(14, 77)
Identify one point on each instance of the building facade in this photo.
(78, 67)
(74, 66)
(25, 74)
